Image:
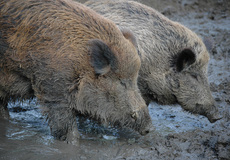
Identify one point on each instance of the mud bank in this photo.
(178, 134)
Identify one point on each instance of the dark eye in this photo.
(123, 83)
(195, 76)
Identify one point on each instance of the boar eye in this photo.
(134, 115)
(195, 76)
(123, 83)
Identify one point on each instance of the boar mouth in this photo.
(129, 123)
(210, 111)
(141, 125)
(213, 117)
(134, 127)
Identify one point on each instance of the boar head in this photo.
(190, 83)
(111, 94)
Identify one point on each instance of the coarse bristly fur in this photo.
(174, 59)
(72, 60)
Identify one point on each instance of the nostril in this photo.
(147, 131)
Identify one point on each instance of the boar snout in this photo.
(144, 132)
(209, 111)
(149, 128)
(142, 120)
(146, 129)
(214, 115)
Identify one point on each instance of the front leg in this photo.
(4, 113)
(62, 122)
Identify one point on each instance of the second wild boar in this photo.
(174, 59)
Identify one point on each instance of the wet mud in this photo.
(177, 135)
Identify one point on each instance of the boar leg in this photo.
(63, 124)
(4, 113)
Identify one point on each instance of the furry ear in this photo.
(129, 36)
(102, 58)
(209, 43)
(184, 59)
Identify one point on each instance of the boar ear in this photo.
(184, 59)
(102, 58)
(129, 36)
(209, 43)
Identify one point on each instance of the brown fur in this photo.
(174, 59)
(72, 60)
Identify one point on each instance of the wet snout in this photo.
(144, 132)
(212, 113)
(144, 122)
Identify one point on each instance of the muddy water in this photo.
(27, 136)
(177, 134)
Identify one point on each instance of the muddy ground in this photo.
(178, 135)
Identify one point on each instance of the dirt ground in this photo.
(178, 135)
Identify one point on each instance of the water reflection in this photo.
(27, 136)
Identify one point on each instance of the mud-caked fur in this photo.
(72, 60)
(174, 59)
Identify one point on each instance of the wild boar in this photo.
(73, 61)
(174, 59)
